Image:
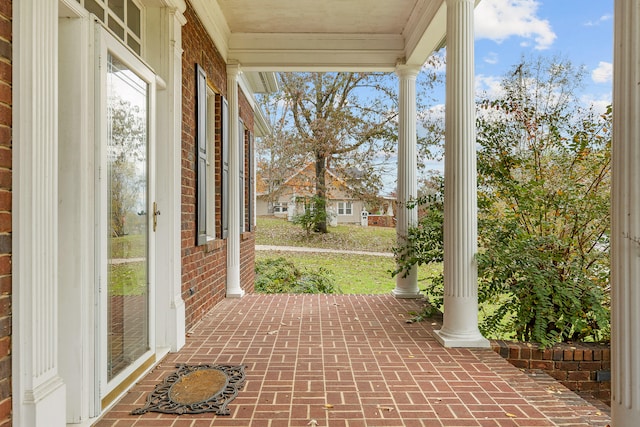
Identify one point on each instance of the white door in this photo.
(126, 89)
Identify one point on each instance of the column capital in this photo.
(405, 71)
(234, 70)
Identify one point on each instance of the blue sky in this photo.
(580, 30)
(507, 30)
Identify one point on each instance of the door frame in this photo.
(107, 43)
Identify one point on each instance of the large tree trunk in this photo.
(321, 192)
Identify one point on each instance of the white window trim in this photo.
(345, 208)
(211, 162)
(279, 207)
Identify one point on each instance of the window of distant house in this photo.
(279, 207)
(122, 17)
(345, 208)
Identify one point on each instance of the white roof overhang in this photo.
(327, 35)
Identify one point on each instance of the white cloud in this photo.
(499, 20)
(491, 58)
(603, 74)
(603, 18)
(599, 104)
(488, 86)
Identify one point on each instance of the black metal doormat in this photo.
(196, 389)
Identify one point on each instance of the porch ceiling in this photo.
(330, 35)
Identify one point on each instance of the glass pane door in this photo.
(127, 217)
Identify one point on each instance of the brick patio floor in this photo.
(353, 361)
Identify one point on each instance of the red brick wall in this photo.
(381, 221)
(204, 267)
(5, 213)
(579, 367)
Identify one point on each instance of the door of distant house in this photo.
(126, 214)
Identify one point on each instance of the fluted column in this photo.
(406, 287)
(38, 390)
(460, 326)
(625, 218)
(233, 240)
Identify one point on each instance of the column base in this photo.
(471, 340)
(624, 416)
(402, 293)
(407, 286)
(46, 405)
(235, 293)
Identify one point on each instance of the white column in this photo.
(233, 239)
(407, 287)
(625, 218)
(38, 391)
(460, 326)
(164, 52)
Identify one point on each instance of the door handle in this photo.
(156, 213)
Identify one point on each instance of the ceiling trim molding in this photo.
(214, 22)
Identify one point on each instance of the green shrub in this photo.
(278, 276)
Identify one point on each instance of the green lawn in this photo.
(276, 231)
(128, 279)
(354, 274)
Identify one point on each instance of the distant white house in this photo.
(342, 206)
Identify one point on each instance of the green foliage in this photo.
(314, 213)
(127, 278)
(278, 275)
(424, 245)
(544, 171)
(424, 242)
(544, 184)
(539, 292)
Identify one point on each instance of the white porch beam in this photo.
(316, 52)
(460, 326)
(233, 239)
(38, 390)
(407, 286)
(625, 217)
(425, 32)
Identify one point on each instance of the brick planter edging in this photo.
(582, 368)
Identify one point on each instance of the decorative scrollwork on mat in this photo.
(196, 389)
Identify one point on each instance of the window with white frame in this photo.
(122, 17)
(345, 208)
(279, 207)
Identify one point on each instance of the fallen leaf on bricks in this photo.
(510, 415)
(272, 332)
(328, 406)
(312, 423)
(385, 408)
